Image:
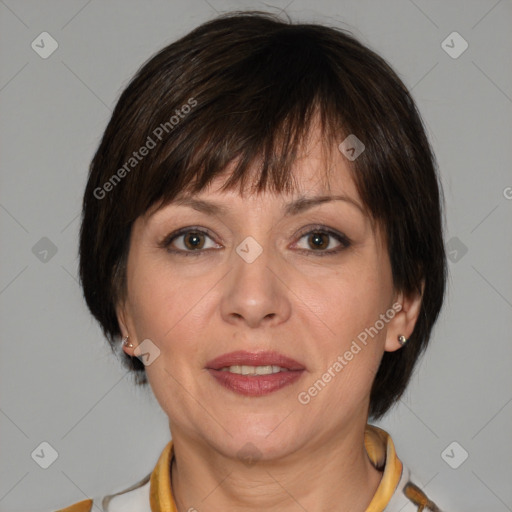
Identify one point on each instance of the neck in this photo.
(328, 474)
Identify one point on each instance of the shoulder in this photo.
(133, 499)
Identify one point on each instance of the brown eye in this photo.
(318, 240)
(324, 242)
(189, 241)
(193, 240)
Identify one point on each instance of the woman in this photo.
(262, 234)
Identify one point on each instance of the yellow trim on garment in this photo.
(381, 450)
(81, 506)
(378, 444)
(160, 493)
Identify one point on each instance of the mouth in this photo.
(254, 373)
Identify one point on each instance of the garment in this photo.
(395, 493)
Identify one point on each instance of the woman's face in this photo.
(312, 283)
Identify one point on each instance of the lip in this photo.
(263, 358)
(254, 385)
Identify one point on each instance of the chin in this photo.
(259, 440)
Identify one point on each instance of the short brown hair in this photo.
(243, 89)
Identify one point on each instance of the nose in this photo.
(255, 292)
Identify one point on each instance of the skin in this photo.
(291, 300)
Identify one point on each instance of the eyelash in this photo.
(343, 239)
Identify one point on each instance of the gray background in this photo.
(59, 382)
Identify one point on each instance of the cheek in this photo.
(164, 301)
(168, 308)
(347, 301)
(350, 335)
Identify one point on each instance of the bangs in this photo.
(250, 164)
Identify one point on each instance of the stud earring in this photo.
(125, 342)
(402, 340)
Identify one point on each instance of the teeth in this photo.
(254, 370)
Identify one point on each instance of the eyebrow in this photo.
(299, 205)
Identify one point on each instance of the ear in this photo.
(124, 320)
(407, 309)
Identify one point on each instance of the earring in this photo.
(402, 340)
(125, 342)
